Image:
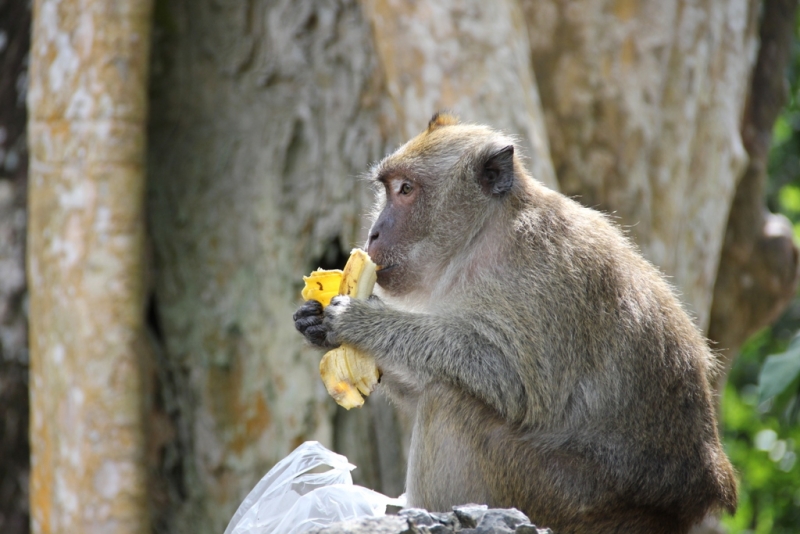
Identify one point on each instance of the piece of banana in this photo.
(346, 371)
(322, 285)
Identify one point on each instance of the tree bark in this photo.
(87, 103)
(263, 115)
(470, 57)
(643, 102)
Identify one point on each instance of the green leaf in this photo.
(779, 370)
(789, 197)
(781, 131)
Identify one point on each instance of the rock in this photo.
(418, 517)
(388, 524)
(470, 514)
(465, 519)
(500, 521)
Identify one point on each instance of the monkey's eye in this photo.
(405, 189)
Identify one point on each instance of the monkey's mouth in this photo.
(384, 275)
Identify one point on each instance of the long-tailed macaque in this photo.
(547, 365)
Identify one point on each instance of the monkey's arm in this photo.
(464, 349)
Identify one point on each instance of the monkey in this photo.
(545, 363)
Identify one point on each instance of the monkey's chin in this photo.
(388, 276)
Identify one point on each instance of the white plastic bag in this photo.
(290, 499)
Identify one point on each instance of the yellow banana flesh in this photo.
(322, 285)
(346, 372)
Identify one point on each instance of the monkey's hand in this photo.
(326, 326)
(346, 372)
(309, 321)
(316, 322)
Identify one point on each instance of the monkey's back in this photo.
(631, 401)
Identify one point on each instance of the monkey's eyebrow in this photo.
(383, 176)
(386, 173)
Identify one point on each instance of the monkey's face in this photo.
(435, 194)
(398, 235)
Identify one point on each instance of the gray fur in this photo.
(536, 347)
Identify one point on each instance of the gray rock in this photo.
(388, 524)
(418, 517)
(469, 515)
(500, 521)
(527, 528)
(466, 519)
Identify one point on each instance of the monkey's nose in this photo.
(374, 236)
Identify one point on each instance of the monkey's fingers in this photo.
(308, 320)
(311, 308)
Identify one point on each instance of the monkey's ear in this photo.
(497, 175)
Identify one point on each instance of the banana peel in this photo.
(346, 372)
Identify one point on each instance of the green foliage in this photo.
(762, 439)
(779, 371)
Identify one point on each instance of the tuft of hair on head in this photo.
(442, 118)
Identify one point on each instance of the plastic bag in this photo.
(290, 499)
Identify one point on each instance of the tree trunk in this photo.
(263, 115)
(758, 270)
(643, 102)
(470, 57)
(87, 104)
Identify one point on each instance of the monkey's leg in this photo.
(462, 452)
(443, 469)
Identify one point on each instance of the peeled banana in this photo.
(322, 285)
(346, 372)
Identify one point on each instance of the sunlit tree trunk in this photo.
(87, 102)
(471, 57)
(643, 102)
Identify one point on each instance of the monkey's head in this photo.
(437, 193)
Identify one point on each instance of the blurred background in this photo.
(170, 170)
